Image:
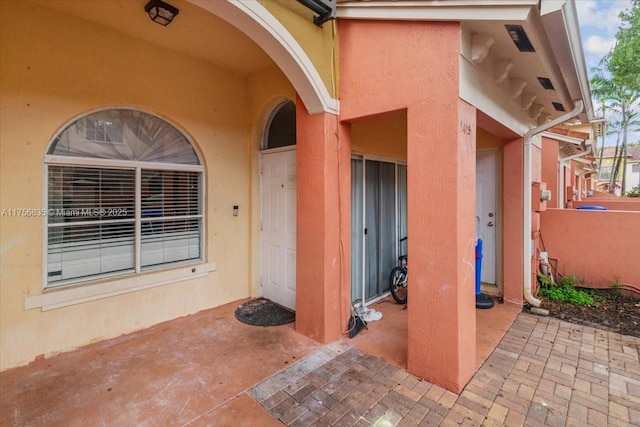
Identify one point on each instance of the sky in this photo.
(598, 26)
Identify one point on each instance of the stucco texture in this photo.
(600, 247)
(54, 68)
(319, 43)
(416, 67)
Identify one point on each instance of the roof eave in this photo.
(560, 21)
(451, 10)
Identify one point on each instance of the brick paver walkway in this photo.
(544, 372)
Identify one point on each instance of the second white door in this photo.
(278, 225)
(486, 220)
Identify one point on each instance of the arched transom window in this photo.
(124, 195)
(281, 129)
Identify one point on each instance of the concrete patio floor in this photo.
(208, 369)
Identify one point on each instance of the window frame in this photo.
(138, 167)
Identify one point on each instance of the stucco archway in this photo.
(264, 29)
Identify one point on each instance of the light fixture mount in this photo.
(160, 12)
(326, 10)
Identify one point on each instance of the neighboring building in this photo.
(632, 172)
(149, 172)
(568, 166)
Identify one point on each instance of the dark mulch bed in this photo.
(617, 313)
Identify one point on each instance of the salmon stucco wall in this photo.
(513, 216)
(55, 67)
(404, 72)
(384, 136)
(443, 263)
(323, 265)
(421, 76)
(600, 247)
(550, 166)
(569, 184)
(611, 203)
(486, 140)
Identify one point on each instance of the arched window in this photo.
(124, 195)
(281, 129)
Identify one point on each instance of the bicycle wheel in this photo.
(398, 284)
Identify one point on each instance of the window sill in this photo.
(81, 294)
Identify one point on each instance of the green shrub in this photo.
(570, 281)
(633, 193)
(544, 281)
(565, 290)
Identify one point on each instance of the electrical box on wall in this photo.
(569, 193)
(539, 196)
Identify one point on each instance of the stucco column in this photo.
(441, 211)
(513, 208)
(323, 225)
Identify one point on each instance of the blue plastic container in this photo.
(591, 208)
(478, 265)
(482, 300)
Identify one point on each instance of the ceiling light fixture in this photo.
(520, 38)
(161, 12)
(546, 83)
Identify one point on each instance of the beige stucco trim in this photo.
(107, 288)
(264, 29)
(452, 10)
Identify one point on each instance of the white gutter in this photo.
(560, 20)
(526, 226)
(575, 156)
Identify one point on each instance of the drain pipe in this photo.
(526, 226)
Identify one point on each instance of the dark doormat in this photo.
(264, 312)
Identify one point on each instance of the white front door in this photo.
(486, 221)
(278, 225)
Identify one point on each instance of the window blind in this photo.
(91, 222)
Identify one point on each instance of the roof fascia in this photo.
(536, 31)
(577, 145)
(452, 10)
(562, 138)
(583, 160)
(568, 44)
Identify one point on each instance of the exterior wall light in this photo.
(326, 10)
(161, 12)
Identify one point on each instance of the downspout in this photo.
(526, 226)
